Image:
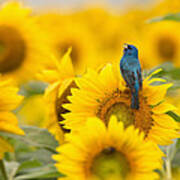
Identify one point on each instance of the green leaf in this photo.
(171, 17)
(175, 116)
(170, 73)
(35, 137)
(43, 156)
(178, 144)
(33, 154)
(48, 171)
(32, 158)
(36, 147)
(33, 87)
(40, 137)
(176, 160)
(30, 164)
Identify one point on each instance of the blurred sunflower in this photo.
(9, 100)
(166, 7)
(108, 30)
(23, 47)
(97, 152)
(116, 36)
(97, 20)
(106, 94)
(136, 18)
(161, 43)
(66, 33)
(56, 94)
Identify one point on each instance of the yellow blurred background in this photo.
(96, 31)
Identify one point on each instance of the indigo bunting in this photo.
(131, 72)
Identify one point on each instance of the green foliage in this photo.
(32, 158)
(33, 87)
(175, 116)
(170, 17)
(170, 73)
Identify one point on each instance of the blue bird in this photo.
(131, 72)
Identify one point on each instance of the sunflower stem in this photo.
(168, 169)
(3, 170)
(170, 152)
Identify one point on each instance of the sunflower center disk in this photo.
(110, 164)
(63, 100)
(167, 48)
(119, 104)
(122, 112)
(12, 49)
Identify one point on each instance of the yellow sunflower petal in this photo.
(9, 123)
(163, 108)
(156, 94)
(4, 147)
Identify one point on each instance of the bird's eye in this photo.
(129, 47)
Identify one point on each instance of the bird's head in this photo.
(130, 50)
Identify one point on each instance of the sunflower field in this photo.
(91, 92)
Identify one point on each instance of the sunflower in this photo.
(97, 20)
(161, 43)
(97, 152)
(136, 18)
(23, 47)
(66, 33)
(104, 94)
(109, 30)
(56, 94)
(117, 32)
(9, 100)
(166, 7)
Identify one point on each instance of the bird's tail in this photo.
(135, 99)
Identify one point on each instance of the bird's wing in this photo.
(132, 73)
(128, 76)
(139, 75)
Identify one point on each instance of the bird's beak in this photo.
(125, 46)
